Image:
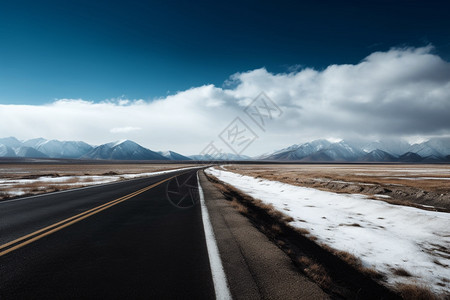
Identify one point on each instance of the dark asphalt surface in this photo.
(144, 247)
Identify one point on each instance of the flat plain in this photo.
(425, 186)
(19, 180)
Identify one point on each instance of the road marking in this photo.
(157, 173)
(217, 272)
(72, 220)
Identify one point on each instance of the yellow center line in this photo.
(69, 221)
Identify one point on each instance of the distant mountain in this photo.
(318, 150)
(299, 152)
(173, 155)
(435, 147)
(6, 151)
(24, 151)
(123, 150)
(387, 150)
(391, 146)
(223, 156)
(434, 150)
(34, 142)
(62, 149)
(40, 148)
(378, 155)
(341, 151)
(433, 158)
(410, 157)
(11, 142)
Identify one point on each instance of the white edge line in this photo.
(217, 272)
(98, 185)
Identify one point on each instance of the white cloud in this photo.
(398, 93)
(125, 129)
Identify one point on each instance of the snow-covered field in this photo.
(385, 237)
(18, 187)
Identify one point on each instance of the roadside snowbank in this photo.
(385, 237)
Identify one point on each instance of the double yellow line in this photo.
(29, 238)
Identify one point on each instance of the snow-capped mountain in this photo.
(298, 152)
(379, 155)
(123, 150)
(340, 151)
(439, 147)
(41, 147)
(389, 150)
(173, 155)
(434, 150)
(6, 151)
(318, 150)
(63, 149)
(10, 142)
(25, 151)
(34, 142)
(391, 146)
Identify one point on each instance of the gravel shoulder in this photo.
(255, 267)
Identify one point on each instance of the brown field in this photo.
(26, 171)
(416, 185)
(24, 179)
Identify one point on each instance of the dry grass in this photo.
(348, 258)
(240, 208)
(371, 180)
(276, 228)
(351, 225)
(354, 261)
(416, 292)
(301, 231)
(35, 171)
(315, 271)
(402, 272)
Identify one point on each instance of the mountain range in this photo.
(42, 148)
(433, 150)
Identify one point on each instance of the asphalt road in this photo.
(122, 240)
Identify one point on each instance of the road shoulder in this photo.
(255, 267)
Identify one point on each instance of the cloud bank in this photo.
(401, 93)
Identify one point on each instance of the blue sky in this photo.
(172, 75)
(97, 50)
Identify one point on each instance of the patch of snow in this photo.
(17, 192)
(382, 196)
(387, 237)
(15, 186)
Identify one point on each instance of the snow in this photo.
(16, 187)
(382, 196)
(387, 237)
(117, 143)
